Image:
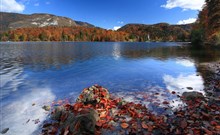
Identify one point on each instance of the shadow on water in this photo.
(46, 71)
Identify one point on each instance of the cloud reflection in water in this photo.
(16, 114)
(180, 83)
(185, 63)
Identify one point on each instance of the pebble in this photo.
(4, 131)
(46, 108)
(189, 88)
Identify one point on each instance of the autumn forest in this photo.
(206, 30)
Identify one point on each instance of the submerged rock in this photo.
(46, 108)
(95, 112)
(192, 95)
(4, 131)
(189, 88)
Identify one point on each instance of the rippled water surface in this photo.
(35, 74)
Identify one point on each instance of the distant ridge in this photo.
(14, 20)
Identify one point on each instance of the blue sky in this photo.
(111, 13)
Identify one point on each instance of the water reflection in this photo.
(37, 72)
(20, 113)
(116, 51)
(186, 63)
(180, 83)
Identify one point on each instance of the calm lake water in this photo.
(41, 72)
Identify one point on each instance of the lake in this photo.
(34, 74)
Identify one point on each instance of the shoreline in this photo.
(90, 116)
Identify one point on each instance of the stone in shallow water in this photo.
(189, 88)
(192, 95)
(4, 131)
(46, 108)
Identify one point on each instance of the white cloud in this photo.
(120, 22)
(36, 4)
(184, 4)
(187, 21)
(185, 63)
(11, 6)
(116, 27)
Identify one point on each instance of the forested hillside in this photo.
(206, 30)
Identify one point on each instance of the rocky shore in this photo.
(212, 81)
(97, 112)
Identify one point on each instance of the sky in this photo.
(111, 14)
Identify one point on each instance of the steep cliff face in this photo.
(15, 20)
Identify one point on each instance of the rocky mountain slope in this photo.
(15, 20)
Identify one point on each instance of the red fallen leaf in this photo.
(205, 116)
(66, 130)
(183, 124)
(63, 117)
(177, 132)
(124, 125)
(166, 103)
(173, 92)
(105, 126)
(98, 132)
(53, 130)
(217, 127)
(104, 93)
(150, 128)
(103, 114)
(207, 131)
(77, 126)
(99, 124)
(134, 126)
(80, 96)
(144, 125)
(102, 121)
(214, 123)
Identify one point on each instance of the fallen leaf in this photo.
(144, 125)
(207, 131)
(66, 130)
(173, 92)
(124, 125)
(99, 124)
(166, 102)
(183, 124)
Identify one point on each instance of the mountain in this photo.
(157, 32)
(14, 20)
(47, 27)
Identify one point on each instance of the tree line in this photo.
(79, 33)
(52, 33)
(206, 30)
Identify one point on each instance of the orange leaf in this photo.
(124, 125)
(144, 125)
(99, 124)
